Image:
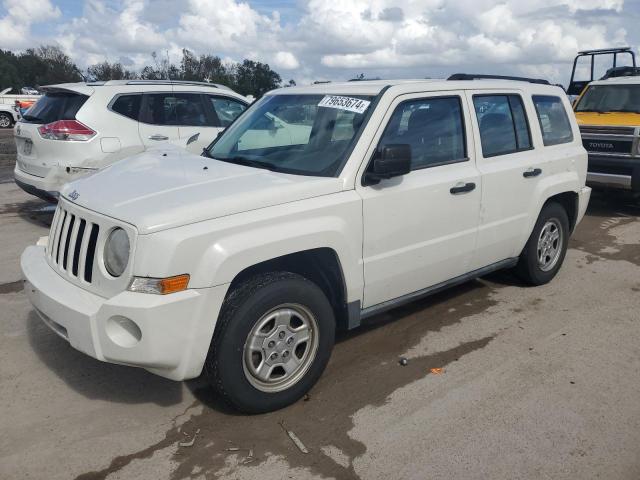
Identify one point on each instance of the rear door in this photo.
(511, 169)
(158, 120)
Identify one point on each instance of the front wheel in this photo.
(5, 120)
(546, 248)
(273, 340)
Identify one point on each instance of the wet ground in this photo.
(535, 383)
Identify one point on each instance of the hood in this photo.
(619, 119)
(168, 187)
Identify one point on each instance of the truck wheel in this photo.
(546, 248)
(5, 120)
(273, 340)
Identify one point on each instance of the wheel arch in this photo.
(321, 265)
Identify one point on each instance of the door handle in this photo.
(532, 172)
(462, 188)
(157, 136)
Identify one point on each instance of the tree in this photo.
(255, 78)
(55, 66)
(109, 71)
(9, 72)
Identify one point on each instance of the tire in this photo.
(536, 266)
(233, 367)
(6, 120)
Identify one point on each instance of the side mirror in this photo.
(392, 161)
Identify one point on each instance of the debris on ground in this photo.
(437, 371)
(403, 361)
(232, 449)
(306, 398)
(191, 442)
(294, 438)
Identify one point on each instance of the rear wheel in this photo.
(272, 342)
(5, 120)
(546, 248)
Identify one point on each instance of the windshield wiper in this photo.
(625, 110)
(238, 160)
(594, 111)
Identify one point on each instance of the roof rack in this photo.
(177, 82)
(604, 51)
(473, 76)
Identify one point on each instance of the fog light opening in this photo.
(123, 331)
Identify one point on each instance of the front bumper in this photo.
(168, 335)
(608, 171)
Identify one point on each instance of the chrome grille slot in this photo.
(72, 244)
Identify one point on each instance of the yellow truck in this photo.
(608, 113)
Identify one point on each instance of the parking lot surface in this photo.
(535, 383)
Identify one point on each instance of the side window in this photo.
(503, 124)
(158, 109)
(554, 123)
(127, 105)
(432, 127)
(226, 109)
(189, 110)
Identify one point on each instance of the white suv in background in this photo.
(78, 128)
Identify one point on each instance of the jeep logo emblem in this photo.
(601, 145)
(74, 195)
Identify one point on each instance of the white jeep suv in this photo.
(78, 128)
(320, 206)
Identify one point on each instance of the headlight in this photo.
(116, 252)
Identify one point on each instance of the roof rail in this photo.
(605, 50)
(472, 76)
(177, 82)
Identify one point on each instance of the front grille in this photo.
(606, 130)
(72, 244)
(606, 145)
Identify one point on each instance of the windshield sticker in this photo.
(350, 104)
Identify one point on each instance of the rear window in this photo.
(554, 122)
(55, 106)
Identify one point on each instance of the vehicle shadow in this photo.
(387, 334)
(606, 203)
(37, 212)
(98, 380)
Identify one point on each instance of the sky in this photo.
(331, 39)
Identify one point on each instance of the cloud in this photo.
(20, 15)
(286, 61)
(336, 39)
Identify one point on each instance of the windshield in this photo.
(299, 134)
(610, 98)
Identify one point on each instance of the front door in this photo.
(420, 229)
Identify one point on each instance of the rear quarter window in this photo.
(127, 105)
(55, 106)
(554, 122)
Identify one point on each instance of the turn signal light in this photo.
(69, 130)
(160, 286)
